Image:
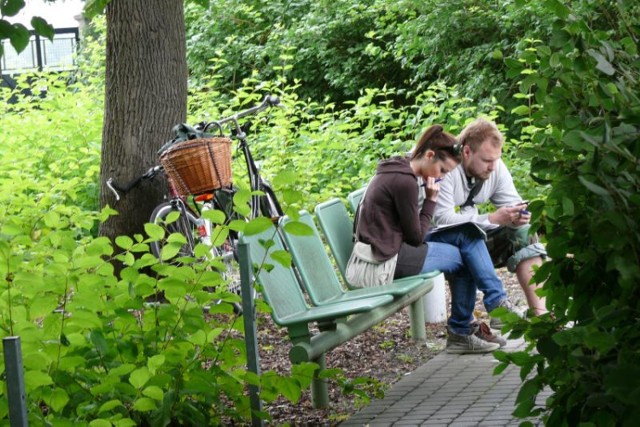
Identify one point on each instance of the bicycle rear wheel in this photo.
(186, 224)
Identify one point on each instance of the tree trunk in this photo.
(146, 95)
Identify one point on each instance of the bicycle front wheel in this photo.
(186, 224)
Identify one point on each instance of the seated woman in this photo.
(394, 218)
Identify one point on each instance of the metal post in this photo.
(16, 393)
(250, 334)
(319, 388)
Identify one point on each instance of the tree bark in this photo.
(146, 95)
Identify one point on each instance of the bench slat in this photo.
(337, 228)
(282, 290)
(319, 277)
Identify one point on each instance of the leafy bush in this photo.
(581, 117)
(326, 152)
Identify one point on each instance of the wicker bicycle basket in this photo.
(199, 165)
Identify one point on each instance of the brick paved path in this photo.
(450, 390)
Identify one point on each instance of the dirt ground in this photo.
(384, 353)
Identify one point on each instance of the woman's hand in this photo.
(513, 216)
(432, 188)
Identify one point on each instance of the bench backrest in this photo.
(279, 284)
(313, 263)
(337, 228)
(354, 198)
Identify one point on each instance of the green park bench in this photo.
(323, 285)
(338, 318)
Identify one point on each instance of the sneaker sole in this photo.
(493, 347)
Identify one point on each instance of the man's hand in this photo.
(513, 216)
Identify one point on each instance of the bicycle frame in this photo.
(211, 200)
(256, 182)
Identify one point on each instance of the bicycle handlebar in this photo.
(268, 101)
(115, 188)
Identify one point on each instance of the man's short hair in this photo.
(478, 131)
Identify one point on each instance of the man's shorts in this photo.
(508, 247)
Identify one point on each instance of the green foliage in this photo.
(313, 151)
(97, 351)
(18, 34)
(581, 124)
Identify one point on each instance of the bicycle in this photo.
(183, 212)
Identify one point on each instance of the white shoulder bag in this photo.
(363, 270)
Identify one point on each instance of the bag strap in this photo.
(477, 186)
(356, 219)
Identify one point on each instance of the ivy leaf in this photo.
(42, 27)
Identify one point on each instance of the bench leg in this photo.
(319, 389)
(416, 314)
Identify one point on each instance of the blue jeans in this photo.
(477, 272)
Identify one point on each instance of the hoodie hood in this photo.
(396, 164)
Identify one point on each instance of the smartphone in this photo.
(520, 203)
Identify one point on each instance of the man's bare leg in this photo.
(524, 272)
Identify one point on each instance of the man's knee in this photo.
(528, 252)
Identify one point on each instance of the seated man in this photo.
(482, 176)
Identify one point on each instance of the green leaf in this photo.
(153, 392)
(139, 377)
(42, 27)
(124, 242)
(601, 63)
(594, 188)
(19, 37)
(169, 251)
(282, 257)
(298, 228)
(35, 379)
(290, 389)
(567, 207)
(111, 404)
(521, 110)
(600, 341)
(144, 404)
(58, 399)
(11, 7)
(154, 231)
(257, 226)
(94, 8)
(155, 362)
(215, 216)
